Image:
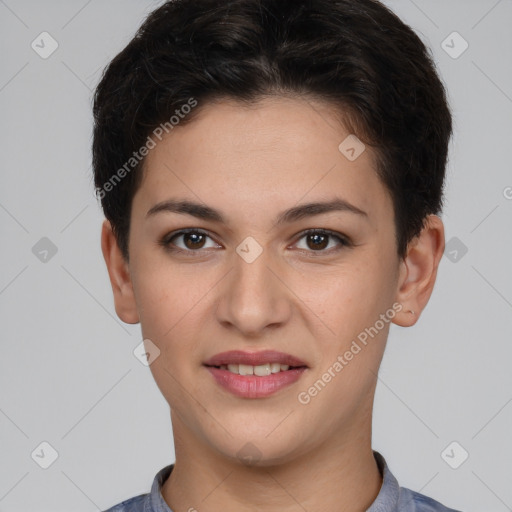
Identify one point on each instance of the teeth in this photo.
(275, 367)
(245, 369)
(261, 370)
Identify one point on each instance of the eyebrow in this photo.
(201, 211)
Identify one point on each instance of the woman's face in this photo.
(255, 281)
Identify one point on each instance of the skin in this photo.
(251, 164)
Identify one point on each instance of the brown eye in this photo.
(317, 240)
(193, 240)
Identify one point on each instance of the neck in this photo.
(340, 476)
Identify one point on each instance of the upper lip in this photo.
(253, 358)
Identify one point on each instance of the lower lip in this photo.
(253, 386)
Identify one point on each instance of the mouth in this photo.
(255, 374)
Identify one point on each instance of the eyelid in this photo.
(324, 231)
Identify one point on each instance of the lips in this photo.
(254, 358)
(261, 384)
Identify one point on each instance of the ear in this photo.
(118, 271)
(418, 271)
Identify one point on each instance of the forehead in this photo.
(261, 158)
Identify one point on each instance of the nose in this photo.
(254, 296)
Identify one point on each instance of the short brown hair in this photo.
(356, 54)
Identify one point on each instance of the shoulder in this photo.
(412, 501)
(393, 497)
(135, 504)
(148, 502)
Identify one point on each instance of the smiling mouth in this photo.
(255, 374)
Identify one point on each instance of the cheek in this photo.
(173, 306)
(167, 294)
(342, 297)
(346, 302)
(171, 309)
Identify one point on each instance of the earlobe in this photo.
(418, 271)
(120, 279)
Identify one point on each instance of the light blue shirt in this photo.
(391, 497)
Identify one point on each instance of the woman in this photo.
(271, 174)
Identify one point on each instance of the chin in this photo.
(257, 449)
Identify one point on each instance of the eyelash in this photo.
(344, 242)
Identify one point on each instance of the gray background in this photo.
(67, 372)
